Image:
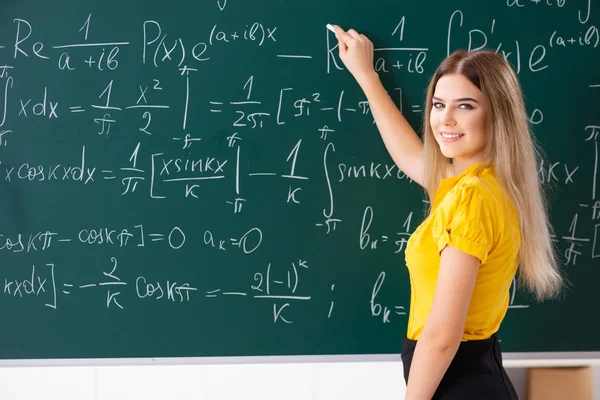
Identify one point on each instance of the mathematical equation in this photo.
(280, 285)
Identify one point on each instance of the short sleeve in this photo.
(464, 221)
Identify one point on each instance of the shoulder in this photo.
(475, 201)
(467, 218)
(482, 189)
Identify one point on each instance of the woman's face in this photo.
(459, 119)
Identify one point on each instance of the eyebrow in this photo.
(458, 100)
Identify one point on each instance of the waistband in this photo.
(469, 345)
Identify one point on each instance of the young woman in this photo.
(477, 163)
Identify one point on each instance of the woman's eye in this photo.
(438, 105)
(466, 106)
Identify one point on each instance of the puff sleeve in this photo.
(464, 221)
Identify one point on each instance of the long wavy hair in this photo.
(514, 154)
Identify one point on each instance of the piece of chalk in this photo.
(330, 27)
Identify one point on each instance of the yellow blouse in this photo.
(471, 213)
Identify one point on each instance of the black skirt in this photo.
(476, 372)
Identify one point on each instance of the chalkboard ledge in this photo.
(551, 359)
(511, 360)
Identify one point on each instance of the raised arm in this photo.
(402, 142)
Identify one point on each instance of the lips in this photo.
(450, 137)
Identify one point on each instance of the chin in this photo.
(448, 154)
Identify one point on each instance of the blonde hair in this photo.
(513, 152)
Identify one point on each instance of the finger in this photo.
(343, 41)
(354, 34)
(367, 41)
(341, 35)
(342, 45)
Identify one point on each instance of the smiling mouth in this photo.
(452, 136)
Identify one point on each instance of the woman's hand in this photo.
(356, 52)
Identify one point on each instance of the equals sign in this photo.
(384, 238)
(157, 237)
(76, 109)
(216, 103)
(400, 310)
(107, 171)
(416, 109)
(67, 285)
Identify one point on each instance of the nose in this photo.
(447, 118)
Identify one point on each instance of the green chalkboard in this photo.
(198, 179)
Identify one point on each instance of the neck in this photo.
(458, 166)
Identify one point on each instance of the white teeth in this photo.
(445, 136)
